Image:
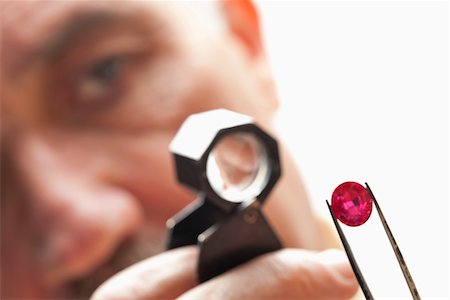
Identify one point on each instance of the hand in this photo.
(284, 274)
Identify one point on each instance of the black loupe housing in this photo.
(233, 165)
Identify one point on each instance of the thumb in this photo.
(164, 276)
(333, 276)
(285, 274)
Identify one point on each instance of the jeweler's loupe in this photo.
(233, 165)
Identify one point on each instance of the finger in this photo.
(285, 274)
(163, 276)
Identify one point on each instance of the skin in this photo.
(92, 94)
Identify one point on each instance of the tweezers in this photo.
(359, 276)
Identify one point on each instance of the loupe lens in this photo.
(237, 167)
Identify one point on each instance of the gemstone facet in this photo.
(351, 203)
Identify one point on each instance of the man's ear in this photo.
(243, 21)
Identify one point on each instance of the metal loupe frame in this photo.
(228, 232)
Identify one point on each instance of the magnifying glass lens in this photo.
(237, 167)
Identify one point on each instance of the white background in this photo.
(364, 89)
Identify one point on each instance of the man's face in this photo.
(92, 94)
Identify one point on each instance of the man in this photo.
(92, 94)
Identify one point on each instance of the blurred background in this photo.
(364, 90)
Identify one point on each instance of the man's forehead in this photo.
(26, 18)
(27, 25)
(28, 15)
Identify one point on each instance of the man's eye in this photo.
(106, 70)
(101, 82)
(93, 88)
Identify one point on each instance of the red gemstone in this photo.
(351, 203)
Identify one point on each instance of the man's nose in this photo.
(80, 216)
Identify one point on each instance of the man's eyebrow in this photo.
(77, 26)
(74, 28)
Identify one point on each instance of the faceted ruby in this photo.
(351, 203)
